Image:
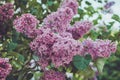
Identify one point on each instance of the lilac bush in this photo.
(58, 43)
(55, 44)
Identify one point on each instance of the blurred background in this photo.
(105, 15)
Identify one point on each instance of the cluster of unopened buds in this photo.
(57, 41)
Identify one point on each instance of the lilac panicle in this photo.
(73, 4)
(64, 50)
(6, 12)
(58, 21)
(99, 48)
(5, 68)
(79, 29)
(26, 24)
(42, 45)
(49, 47)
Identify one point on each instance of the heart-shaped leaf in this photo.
(81, 62)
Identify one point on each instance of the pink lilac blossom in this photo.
(45, 37)
(41, 33)
(49, 47)
(58, 21)
(79, 29)
(99, 48)
(64, 50)
(53, 75)
(26, 24)
(73, 4)
(44, 62)
(42, 45)
(66, 35)
(5, 68)
(44, 53)
(6, 11)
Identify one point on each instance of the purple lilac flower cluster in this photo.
(64, 50)
(73, 4)
(79, 29)
(5, 68)
(6, 12)
(99, 48)
(53, 75)
(49, 47)
(56, 42)
(58, 21)
(26, 24)
(42, 45)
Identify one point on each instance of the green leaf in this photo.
(15, 36)
(94, 34)
(95, 22)
(13, 54)
(88, 3)
(116, 17)
(99, 17)
(21, 58)
(50, 2)
(90, 10)
(81, 62)
(35, 58)
(37, 75)
(110, 24)
(11, 46)
(80, 11)
(100, 62)
(99, 1)
(16, 64)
